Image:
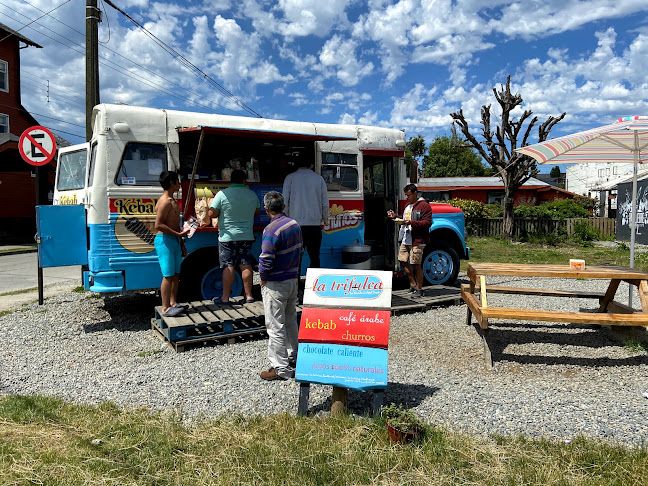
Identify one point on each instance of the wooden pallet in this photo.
(403, 301)
(205, 321)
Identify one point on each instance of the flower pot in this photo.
(403, 437)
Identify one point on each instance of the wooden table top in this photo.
(562, 271)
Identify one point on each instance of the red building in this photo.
(17, 178)
(488, 190)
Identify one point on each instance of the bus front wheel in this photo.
(440, 264)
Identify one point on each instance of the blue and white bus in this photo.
(104, 201)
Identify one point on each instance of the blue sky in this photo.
(404, 64)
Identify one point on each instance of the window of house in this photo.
(615, 170)
(435, 195)
(4, 123)
(142, 165)
(495, 197)
(4, 76)
(340, 171)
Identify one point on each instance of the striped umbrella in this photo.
(625, 140)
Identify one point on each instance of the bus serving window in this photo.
(142, 164)
(340, 171)
(73, 170)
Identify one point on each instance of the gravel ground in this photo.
(556, 381)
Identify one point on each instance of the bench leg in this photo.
(488, 358)
(378, 396)
(468, 316)
(304, 392)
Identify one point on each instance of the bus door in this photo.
(71, 175)
(61, 228)
(379, 195)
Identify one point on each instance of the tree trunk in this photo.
(508, 205)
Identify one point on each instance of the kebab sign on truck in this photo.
(344, 330)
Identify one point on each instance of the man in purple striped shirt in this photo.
(281, 248)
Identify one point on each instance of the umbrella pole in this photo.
(633, 221)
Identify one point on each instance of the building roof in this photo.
(19, 36)
(427, 183)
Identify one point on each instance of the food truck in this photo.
(106, 190)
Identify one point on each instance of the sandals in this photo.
(219, 301)
(173, 312)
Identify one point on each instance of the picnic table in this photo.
(610, 312)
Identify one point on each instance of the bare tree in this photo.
(498, 147)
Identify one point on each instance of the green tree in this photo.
(451, 157)
(555, 172)
(414, 149)
(497, 147)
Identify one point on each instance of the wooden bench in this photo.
(609, 312)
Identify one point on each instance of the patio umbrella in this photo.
(625, 140)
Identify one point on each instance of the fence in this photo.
(521, 226)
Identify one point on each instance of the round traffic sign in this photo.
(37, 145)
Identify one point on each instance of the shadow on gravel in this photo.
(128, 312)
(360, 403)
(501, 335)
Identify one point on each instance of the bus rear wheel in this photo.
(440, 264)
(201, 278)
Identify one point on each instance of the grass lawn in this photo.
(46, 441)
(496, 250)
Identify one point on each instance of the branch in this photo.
(460, 120)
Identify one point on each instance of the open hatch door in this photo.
(61, 235)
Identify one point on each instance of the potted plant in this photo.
(402, 424)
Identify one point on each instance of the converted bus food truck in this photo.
(104, 201)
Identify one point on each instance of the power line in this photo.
(47, 13)
(120, 69)
(184, 61)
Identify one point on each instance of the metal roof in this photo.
(19, 36)
(459, 182)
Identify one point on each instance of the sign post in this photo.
(344, 334)
(37, 147)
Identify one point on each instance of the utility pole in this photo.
(93, 17)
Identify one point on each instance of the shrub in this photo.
(471, 209)
(556, 209)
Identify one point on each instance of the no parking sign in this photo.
(37, 146)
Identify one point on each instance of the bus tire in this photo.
(440, 264)
(201, 278)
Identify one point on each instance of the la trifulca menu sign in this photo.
(343, 337)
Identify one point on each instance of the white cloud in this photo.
(339, 55)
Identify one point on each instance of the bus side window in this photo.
(92, 162)
(340, 171)
(142, 164)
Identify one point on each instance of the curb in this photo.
(18, 252)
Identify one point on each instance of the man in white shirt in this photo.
(307, 202)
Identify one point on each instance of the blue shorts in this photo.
(169, 254)
(233, 253)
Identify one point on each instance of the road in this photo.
(20, 272)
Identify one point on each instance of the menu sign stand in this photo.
(344, 334)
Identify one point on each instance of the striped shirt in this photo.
(280, 249)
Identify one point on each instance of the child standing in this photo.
(168, 243)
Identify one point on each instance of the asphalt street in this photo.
(19, 272)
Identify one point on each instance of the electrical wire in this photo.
(184, 61)
(26, 25)
(120, 69)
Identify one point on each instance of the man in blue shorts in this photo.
(235, 208)
(168, 243)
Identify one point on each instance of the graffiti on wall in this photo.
(624, 206)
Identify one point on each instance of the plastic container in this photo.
(356, 256)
